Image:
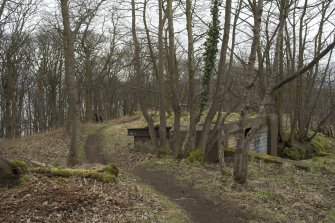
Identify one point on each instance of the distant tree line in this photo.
(209, 58)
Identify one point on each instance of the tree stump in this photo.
(9, 174)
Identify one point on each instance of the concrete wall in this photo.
(264, 141)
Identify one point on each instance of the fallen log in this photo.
(271, 159)
(107, 175)
(11, 171)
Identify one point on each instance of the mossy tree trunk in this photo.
(219, 82)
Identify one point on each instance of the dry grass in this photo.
(50, 148)
(45, 199)
(77, 199)
(118, 146)
(274, 193)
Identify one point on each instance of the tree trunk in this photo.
(9, 174)
(72, 89)
(9, 89)
(192, 105)
(173, 71)
(241, 155)
(139, 78)
(221, 145)
(219, 83)
(161, 84)
(89, 87)
(40, 98)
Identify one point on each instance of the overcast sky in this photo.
(202, 15)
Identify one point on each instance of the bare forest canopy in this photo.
(62, 62)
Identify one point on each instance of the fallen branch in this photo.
(271, 159)
(39, 164)
(107, 175)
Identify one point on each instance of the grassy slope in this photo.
(119, 148)
(275, 193)
(50, 148)
(127, 200)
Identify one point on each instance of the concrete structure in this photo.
(142, 137)
(264, 141)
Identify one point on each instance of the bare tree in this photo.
(192, 105)
(15, 59)
(70, 63)
(241, 155)
(139, 78)
(160, 76)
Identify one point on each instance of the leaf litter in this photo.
(51, 199)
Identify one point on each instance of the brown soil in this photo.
(200, 209)
(94, 153)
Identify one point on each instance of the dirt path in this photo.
(93, 150)
(200, 209)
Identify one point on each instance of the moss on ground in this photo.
(108, 175)
(330, 216)
(323, 164)
(22, 166)
(111, 169)
(320, 145)
(270, 196)
(195, 155)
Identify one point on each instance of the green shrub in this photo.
(325, 164)
(195, 155)
(292, 153)
(321, 144)
(161, 153)
(185, 114)
(111, 169)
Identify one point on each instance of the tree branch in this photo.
(291, 77)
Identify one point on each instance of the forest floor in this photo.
(152, 189)
(200, 209)
(54, 199)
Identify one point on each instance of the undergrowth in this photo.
(274, 192)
